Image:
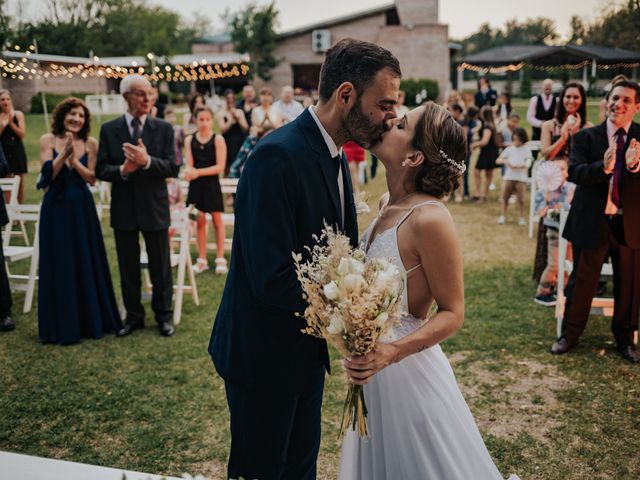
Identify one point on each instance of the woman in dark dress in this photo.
(234, 127)
(206, 156)
(12, 131)
(486, 163)
(75, 293)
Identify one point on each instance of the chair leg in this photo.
(192, 281)
(177, 308)
(31, 282)
(24, 233)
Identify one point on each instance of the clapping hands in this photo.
(632, 156)
(135, 156)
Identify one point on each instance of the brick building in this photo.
(408, 28)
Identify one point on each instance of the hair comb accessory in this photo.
(460, 167)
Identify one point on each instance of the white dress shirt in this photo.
(611, 208)
(333, 150)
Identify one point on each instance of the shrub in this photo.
(413, 87)
(52, 99)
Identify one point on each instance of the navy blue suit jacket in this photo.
(285, 193)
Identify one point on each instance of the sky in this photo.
(463, 16)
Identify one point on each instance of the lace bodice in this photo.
(385, 245)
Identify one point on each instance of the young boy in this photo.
(516, 158)
(548, 205)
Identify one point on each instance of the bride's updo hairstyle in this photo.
(444, 144)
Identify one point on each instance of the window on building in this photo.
(392, 17)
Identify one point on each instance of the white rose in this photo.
(343, 267)
(353, 282)
(381, 319)
(356, 267)
(331, 290)
(336, 325)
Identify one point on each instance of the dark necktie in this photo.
(137, 130)
(618, 170)
(337, 160)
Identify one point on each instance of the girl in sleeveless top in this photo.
(75, 293)
(234, 127)
(12, 131)
(486, 163)
(206, 156)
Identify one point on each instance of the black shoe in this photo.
(561, 346)
(129, 327)
(602, 289)
(630, 353)
(548, 300)
(6, 324)
(166, 329)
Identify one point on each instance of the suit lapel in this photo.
(123, 131)
(147, 136)
(321, 153)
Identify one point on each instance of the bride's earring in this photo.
(404, 163)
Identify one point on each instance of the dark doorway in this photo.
(305, 77)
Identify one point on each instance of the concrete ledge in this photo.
(24, 467)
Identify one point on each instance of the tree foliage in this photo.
(533, 31)
(253, 32)
(109, 28)
(617, 27)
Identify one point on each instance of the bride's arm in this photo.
(441, 261)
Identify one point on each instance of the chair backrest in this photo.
(229, 185)
(11, 185)
(180, 222)
(21, 213)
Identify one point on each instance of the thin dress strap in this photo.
(406, 215)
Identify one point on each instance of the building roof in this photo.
(332, 22)
(550, 55)
(182, 59)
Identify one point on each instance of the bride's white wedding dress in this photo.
(420, 426)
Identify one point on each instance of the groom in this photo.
(295, 180)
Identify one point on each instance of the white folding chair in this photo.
(533, 218)
(182, 260)
(599, 305)
(104, 196)
(12, 185)
(15, 253)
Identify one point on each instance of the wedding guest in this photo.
(541, 108)
(206, 155)
(555, 144)
(548, 205)
(513, 122)
(288, 107)
(453, 98)
(6, 323)
(248, 102)
(488, 144)
(265, 116)
(605, 218)
(485, 94)
(602, 114)
(471, 126)
(516, 158)
(158, 109)
(502, 109)
(197, 101)
(355, 156)
(12, 133)
(234, 127)
(75, 293)
(178, 133)
(136, 154)
(308, 101)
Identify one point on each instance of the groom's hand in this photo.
(361, 369)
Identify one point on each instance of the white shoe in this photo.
(512, 199)
(522, 222)
(501, 220)
(492, 186)
(200, 266)
(221, 266)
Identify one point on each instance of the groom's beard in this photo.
(360, 129)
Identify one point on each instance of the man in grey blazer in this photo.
(136, 154)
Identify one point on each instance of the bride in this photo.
(420, 426)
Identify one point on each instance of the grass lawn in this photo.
(154, 404)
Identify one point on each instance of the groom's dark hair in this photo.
(354, 61)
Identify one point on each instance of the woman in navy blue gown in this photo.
(75, 293)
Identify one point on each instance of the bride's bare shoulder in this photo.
(433, 221)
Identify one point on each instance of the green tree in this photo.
(578, 30)
(617, 27)
(253, 32)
